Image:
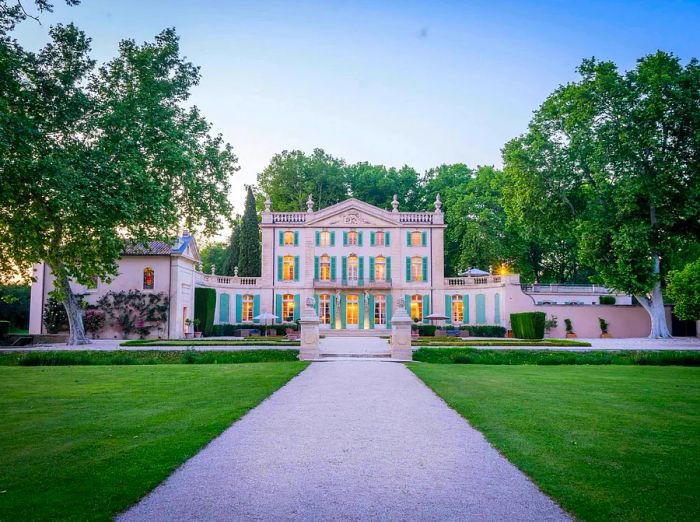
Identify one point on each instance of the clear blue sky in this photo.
(417, 83)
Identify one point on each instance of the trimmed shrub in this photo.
(4, 328)
(486, 330)
(528, 325)
(425, 330)
(569, 326)
(204, 307)
(227, 330)
(607, 299)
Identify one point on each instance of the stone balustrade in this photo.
(473, 281)
(416, 217)
(289, 217)
(232, 281)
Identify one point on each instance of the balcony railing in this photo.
(416, 217)
(473, 281)
(213, 279)
(556, 288)
(350, 283)
(289, 217)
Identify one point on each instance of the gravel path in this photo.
(348, 440)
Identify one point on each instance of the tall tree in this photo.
(376, 185)
(684, 290)
(249, 261)
(91, 158)
(213, 255)
(232, 253)
(615, 158)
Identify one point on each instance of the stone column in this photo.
(310, 338)
(401, 333)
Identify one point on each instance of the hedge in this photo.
(528, 325)
(204, 307)
(226, 329)
(4, 328)
(425, 330)
(607, 299)
(485, 330)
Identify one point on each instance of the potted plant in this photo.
(570, 334)
(550, 323)
(188, 324)
(603, 328)
(197, 331)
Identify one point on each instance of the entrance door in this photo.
(352, 311)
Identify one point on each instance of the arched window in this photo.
(380, 268)
(288, 307)
(247, 311)
(325, 267)
(352, 267)
(288, 268)
(324, 308)
(352, 237)
(289, 238)
(380, 310)
(457, 309)
(148, 278)
(416, 238)
(416, 268)
(417, 307)
(325, 238)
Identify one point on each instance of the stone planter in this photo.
(197, 335)
(605, 336)
(571, 335)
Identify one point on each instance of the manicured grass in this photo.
(447, 341)
(258, 341)
(125, 357)
(84, 443)
(549, 357)
(607, 443)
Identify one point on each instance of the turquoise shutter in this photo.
(424, 238)
(371, 239)
(344, 268)
(296, 268)
(425, 268)
(387, 237)
(296, 238)
(371, 312)
(224, 308)
(408, 239)
(316, 267)
(465, 300)
(343, 323)
(318, 238)
(480, 309)
(239, 309)
(408, 305)
(333, 270)
(279, 268)
(361, 313)
(371, 269)
(426, 308)
(408, 268)
(361, 269)
(281, 237)
(497, 309)
(297, 306)
(448, 308)
(316, 303)
(359, 238)
(332, 305)
(256, 308)
(278, 307)
(333, 238)
(388, 269)
(345, 238)
(388, 311)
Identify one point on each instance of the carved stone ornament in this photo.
(353, 218)
(309, 302)
(395, 204)
(400, 302)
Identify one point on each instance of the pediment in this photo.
(353, 213)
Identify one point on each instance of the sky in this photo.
(393, 83)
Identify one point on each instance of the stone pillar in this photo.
(401, 333)
(310, 338)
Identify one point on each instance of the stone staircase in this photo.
(379, 332)
(362, 347)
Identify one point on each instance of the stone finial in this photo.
(395, 204)
(213, 269)
(438, 204)
(268, 204)
(491, 269)
(310, 204)
(235, 271)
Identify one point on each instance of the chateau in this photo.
(356, 261)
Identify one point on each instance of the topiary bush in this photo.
(528, 325)
(204, 307)
(607, 299)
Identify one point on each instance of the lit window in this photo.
(352, 238)
(148, 278)
(247, 312)
(352, 310)
(289, 238)
(325, 238)
(325, 268)
(379, 238)
(417, 307)
(457, 309)
(416, 268)
(380, 310)
(288, 268)
(324, 308)
(287, 307)
(380, 268)
(352, 268)
(416, 238)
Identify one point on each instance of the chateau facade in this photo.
(357, 262)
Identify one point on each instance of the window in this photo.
(247, 312)
(352, 237)
(379, 238)
(325, 268)
(289, 238)
(352, 268)
(288, 307)
(416, 238)
(324, 308)
(380, 268)
(325, 238)
(380, 310)
(148, 278)
(457, 309)
(288, 268)
(416, 268)
(417, 307)
(352, 310)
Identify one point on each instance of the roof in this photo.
(157, 248)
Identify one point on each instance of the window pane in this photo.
(288, 271)
(416, 269)
(325, 238)
(417, 307)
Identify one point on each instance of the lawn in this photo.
(84, 443)
(249, 341)
(606, 442)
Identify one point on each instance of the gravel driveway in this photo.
(348, 440)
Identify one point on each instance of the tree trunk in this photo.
(76, 335)
(654, 305)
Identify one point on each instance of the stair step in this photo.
(357, 355)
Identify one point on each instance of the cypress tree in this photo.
(233, 250)
(249, 253)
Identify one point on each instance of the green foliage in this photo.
(684, 291)
(54, 316)
(569, 326)
(214, 254)
(4, 328)
(528, 325)
(377, 184)
(424, 330)
(607, 299)
(227, 329)
(249, 256)
(135, 311)
(14, 305)
(603, 325)
(248, 341)
(485, 330)
(550, 323)
(94, 321)
(232, 254)
(204, 308)
(456, 342)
